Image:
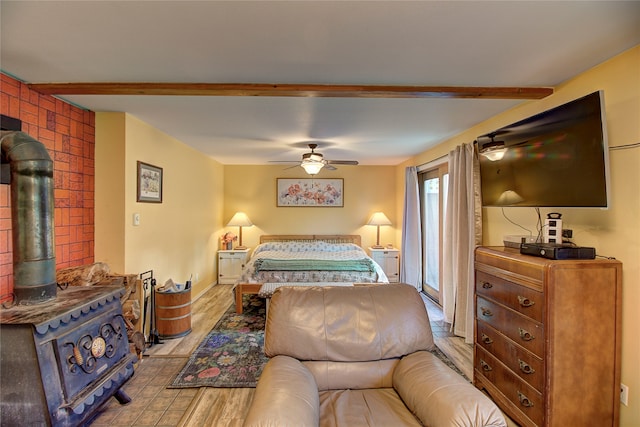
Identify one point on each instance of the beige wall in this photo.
(367, 189)
(614, 232)
(180, 236)
(175, 238)
(110, 184)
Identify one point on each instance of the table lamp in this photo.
(240, 219)
(378, 219)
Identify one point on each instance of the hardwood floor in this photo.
(155, 405)
(457, 351)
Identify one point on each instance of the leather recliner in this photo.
(359, 356)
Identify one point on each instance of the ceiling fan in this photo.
(313, 162)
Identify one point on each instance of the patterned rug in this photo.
(231, 354)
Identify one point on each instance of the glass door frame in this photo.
(436, 171)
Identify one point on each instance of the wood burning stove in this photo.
(62, 360)
(62, 354)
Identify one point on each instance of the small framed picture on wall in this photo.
(149, 183)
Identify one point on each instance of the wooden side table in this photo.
(245, 288)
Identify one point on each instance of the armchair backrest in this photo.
(347, 324)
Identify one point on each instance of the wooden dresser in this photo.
(547, 337)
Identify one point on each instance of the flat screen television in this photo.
(558, 158)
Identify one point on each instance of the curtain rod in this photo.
(431, 163)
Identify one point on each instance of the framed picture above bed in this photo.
(310, 192)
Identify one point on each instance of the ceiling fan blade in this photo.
(342, 162)
(313, 157)
(291, 167)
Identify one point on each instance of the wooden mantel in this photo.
(290, 90)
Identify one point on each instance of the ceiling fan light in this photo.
(494, 150)
(311, 167)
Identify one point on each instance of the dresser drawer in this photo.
(526, 400)
(531, 313)
(520, 329)
(520, 298)
(522, 362)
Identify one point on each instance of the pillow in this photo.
(306, 246)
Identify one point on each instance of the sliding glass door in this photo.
(433, 192)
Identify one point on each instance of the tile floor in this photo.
(438, 326)
(152, 403)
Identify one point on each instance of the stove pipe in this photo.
(32, 220)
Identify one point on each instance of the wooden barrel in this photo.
(173, 313)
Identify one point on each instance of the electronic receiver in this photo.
(557, 251)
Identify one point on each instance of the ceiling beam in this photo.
(296, 90)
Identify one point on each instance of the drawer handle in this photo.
(486, 339)
(487, 285)
(485, 366)
(486, 312)
(524, 400)
(525, 302)
(525, 335)
(525, 367)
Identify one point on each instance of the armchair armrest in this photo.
(286, 395)
(440, 397)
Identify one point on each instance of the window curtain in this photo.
(411, 255)
(463, 232)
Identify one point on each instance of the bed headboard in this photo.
(330, 238)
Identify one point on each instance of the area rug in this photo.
(231, 354)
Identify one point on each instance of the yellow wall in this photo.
(181, 235)
(614, 232)
(175, 238)
(110, 187)
(252, 189)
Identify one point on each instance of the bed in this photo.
(306, 260)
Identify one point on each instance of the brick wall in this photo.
(68, 133)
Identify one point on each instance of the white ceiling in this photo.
(436, 43)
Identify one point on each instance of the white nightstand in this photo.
(230, 265)
(389, 260)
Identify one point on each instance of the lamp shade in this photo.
(509, 197)
(240, 219)
(379, 218)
